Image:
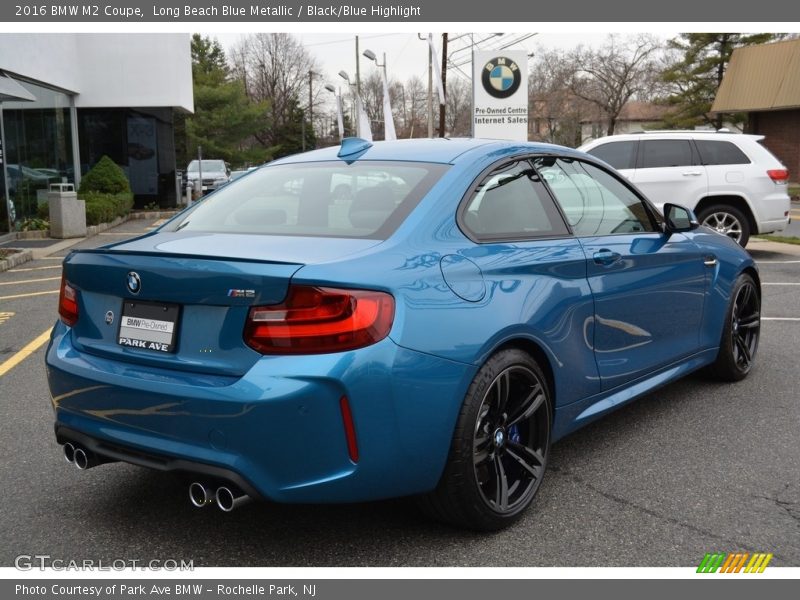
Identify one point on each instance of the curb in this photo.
(92, 230)
(15, 260)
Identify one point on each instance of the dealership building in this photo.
(66, 100)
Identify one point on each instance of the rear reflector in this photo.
(68, 303)
(779, 175)
(315, 320)
(349, 429)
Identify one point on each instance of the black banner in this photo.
(473, 11)
(396, 589)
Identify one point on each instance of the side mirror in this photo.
(678, 218)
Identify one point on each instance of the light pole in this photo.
(430, 86)
(339, 115)
(388, 122)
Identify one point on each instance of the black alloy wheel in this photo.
(510, 440)
(500, 446)
(739, 343)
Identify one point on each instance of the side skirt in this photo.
(577, 414)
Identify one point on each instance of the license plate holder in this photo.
(148, 325)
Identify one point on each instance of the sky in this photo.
(407, 55)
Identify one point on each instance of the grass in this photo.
(784, 240)
(794, 190)
(4, 252)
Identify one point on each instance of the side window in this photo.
(594, 201)
(666, 153)
(720, 153)
(620, 155)
(512, 203)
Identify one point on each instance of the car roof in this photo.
(434, 150)
(684, 134)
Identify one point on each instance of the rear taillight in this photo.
(779, 175)
(68, 303)
(314, 320)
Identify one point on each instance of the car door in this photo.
(648, 286)
(669, 170)
(533, 270)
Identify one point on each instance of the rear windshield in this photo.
(329, 199)
(208, 165)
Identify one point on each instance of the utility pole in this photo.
(444, 84)
(311, 102)
(358, 71)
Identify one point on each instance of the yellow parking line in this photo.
(34, 269)
(25, 352)
(29, 281)
(27, 295)
(5, 316)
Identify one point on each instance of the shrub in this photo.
(106, 177)
(104, 208)
(34, 224)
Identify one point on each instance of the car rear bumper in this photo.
(775, 225)
(278, 431)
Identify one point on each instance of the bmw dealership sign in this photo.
(500, 93)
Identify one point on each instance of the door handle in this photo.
(710, 260)
(692, 173)
(605, 257)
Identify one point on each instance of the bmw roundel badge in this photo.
(501, 77)
(134, 282)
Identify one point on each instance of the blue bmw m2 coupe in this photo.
(420, 317)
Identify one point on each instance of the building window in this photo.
(38, 151)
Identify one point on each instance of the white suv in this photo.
(732, 183)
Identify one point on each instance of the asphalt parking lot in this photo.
(696, 467)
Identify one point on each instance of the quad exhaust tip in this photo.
(69, 453)
(81, 459)
(227, 499)
(200, 494)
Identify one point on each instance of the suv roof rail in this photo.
(678, 131)
(723, 130)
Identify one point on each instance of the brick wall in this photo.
(782, 131)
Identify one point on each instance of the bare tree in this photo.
(458, 116)
(414, 109)
(610, 76)
(555, 112)
(276, 67)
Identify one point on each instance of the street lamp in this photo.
(339, 115)
(388, 122)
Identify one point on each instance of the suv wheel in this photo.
(726, 220)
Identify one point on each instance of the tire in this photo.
(740, 335)
(727, 220)
(500, 446)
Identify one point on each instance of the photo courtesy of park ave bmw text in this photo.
(287, 287)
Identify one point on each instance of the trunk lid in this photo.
(202, 284)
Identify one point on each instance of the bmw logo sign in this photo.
(501, 77)
(134, 282)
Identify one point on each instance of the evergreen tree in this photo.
(225, 120)
(290, 135)
(698, 72)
